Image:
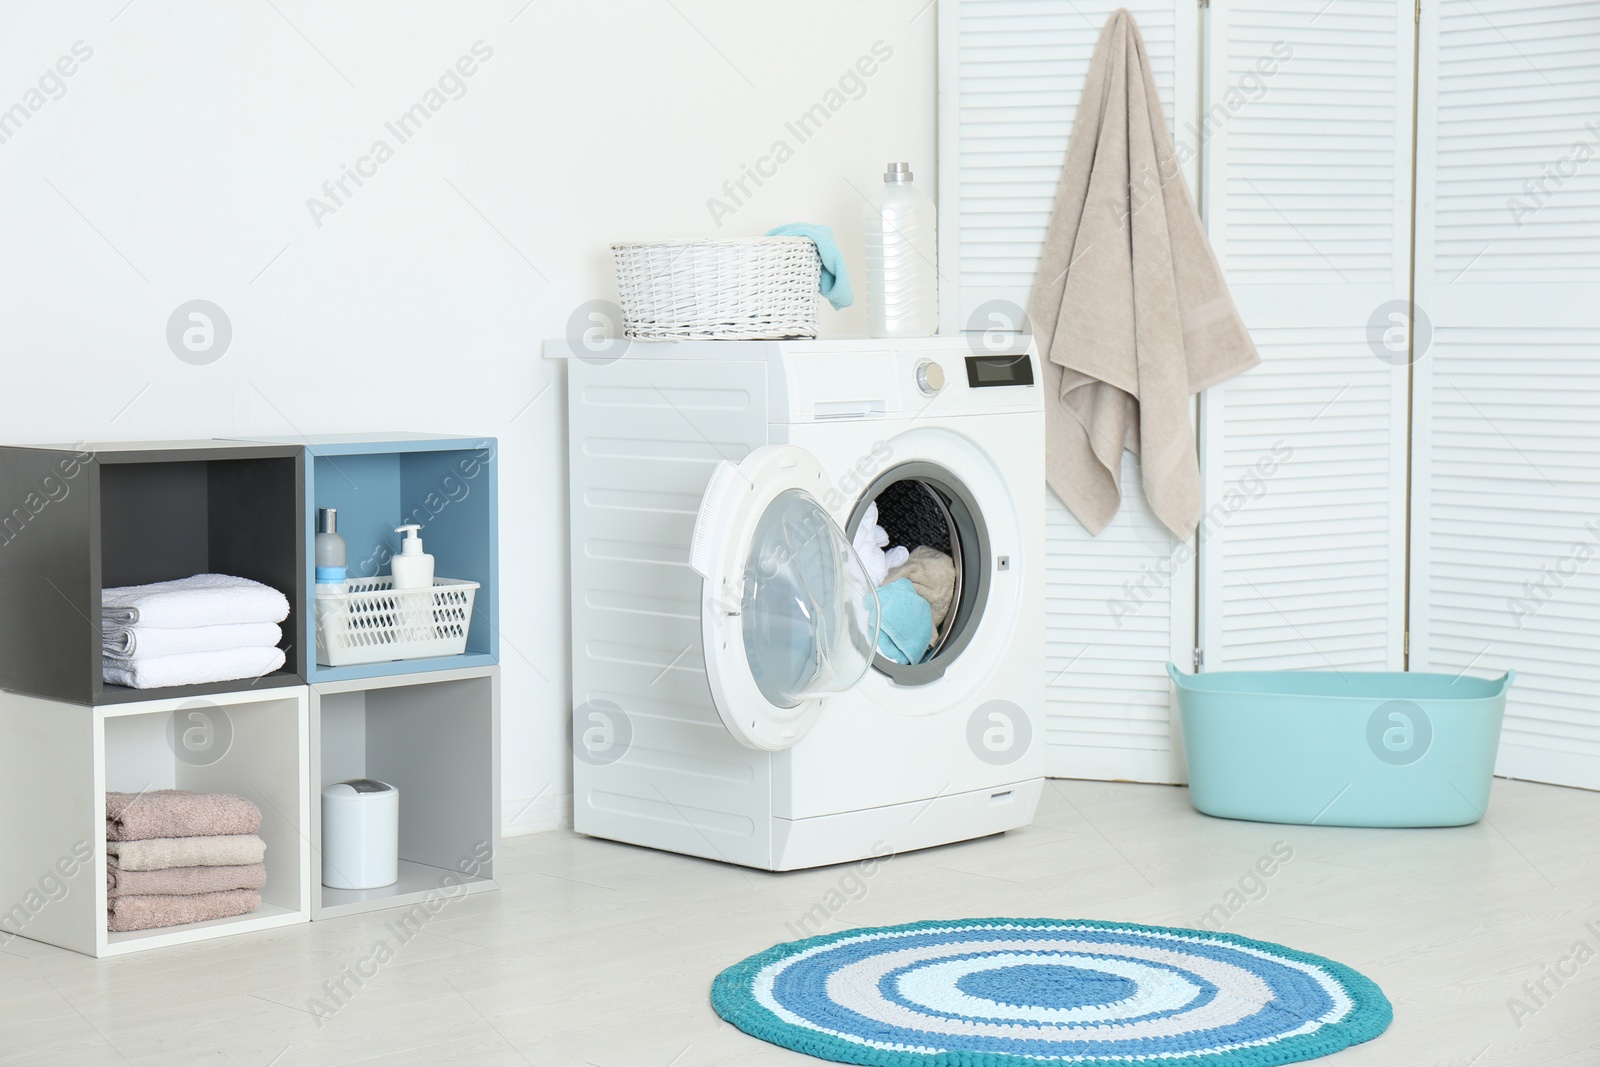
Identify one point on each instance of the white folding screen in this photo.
(1122, 604)
(1307, 177)
(1506, 514)
(1306, 126)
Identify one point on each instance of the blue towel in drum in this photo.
(905, 622)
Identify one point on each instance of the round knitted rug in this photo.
(1010, 992)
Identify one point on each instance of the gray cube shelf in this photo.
(77, 519)
(435, 738)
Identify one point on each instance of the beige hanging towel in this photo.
(1129, 308)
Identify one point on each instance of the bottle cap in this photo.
(897, 172)
(327, 520)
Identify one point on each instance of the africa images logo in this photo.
(1399, 732)
(999, 732)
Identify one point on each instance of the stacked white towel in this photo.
(208, 628)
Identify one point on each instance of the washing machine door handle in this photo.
(788, 614)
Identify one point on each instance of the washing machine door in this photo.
(788, 613)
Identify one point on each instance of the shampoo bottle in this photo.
(330, 553)
(328, 550)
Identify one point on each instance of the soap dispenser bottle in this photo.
(413, 583)
(412, 568)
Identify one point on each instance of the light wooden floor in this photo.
(602, 954)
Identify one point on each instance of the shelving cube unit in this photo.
(57, 763)
(447, 485)
(84, 518)
(434, 737)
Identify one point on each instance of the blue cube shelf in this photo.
(448, 486)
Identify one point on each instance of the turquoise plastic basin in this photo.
(1341, 749)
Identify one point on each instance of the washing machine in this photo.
(730, 699)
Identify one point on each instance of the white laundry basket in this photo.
(761, 288)
(372, 623)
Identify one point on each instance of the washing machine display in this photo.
(984, 372)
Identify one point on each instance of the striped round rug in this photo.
(1008, 992)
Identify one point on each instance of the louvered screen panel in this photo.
(1506, 520)
(1308, 171)
(1299, 542)
(1117, 608)
(1010, 74)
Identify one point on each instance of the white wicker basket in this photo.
(372, 623)
(760, 288)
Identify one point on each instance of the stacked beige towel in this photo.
(148, 913)
(161, 853)
(177, 813)
(184, 881)
(175, 857)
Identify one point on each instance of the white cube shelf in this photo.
(57, 762)
(434, 736)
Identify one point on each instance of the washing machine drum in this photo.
(912, 515)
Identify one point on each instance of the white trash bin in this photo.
(360, 834)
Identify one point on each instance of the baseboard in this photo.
(533, 815)
(1149, 768)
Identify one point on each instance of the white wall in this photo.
(176, 162)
